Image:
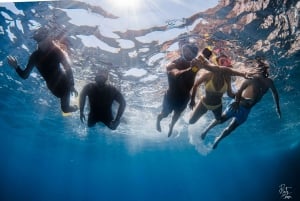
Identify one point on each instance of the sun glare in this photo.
(126, 4)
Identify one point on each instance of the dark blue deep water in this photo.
(45, 156)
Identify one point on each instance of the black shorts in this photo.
(174, 103)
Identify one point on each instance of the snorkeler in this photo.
(181, 79)
(101, 97)
(250, 93)
(47, 59)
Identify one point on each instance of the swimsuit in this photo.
(209, 86)
(240, 115)
(210, 107)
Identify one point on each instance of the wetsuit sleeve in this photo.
(30, 65)
(84, 92)
(122, 104)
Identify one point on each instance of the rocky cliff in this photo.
(269, 27)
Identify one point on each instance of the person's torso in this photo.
(221, 88)
(182, 84)
(213, 93)
(255, 91)
(48, 63)
(101, 98)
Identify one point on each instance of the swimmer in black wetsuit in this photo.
(101, 97)
(47, 59)
(181, 80)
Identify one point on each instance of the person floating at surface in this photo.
(250, 93)
(181, 80)
(216, 84)
(47, 59)
(101, 97)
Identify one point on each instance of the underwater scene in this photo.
(48, 153)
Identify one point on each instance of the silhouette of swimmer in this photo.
(181, 80)
(47, 59)
(101, 97)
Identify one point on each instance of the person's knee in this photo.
(64, 108)
(67, 108)
(162, 115)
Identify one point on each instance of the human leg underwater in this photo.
(218, 120)
(231, 127)
(197, 113)
(65, 104)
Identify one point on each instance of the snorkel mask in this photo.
(189, 52)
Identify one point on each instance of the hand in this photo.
(114, 124)
(13, 62)
(195, 62)
(192, 104)
(82, 117)
(203, 60)
(74, 91)
(248, 75)
(235, 106)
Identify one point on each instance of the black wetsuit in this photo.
(100, 100)
(48, 64)
(178, 93)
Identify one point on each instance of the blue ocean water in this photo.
(46, 156)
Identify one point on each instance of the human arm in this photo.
(173, 70)
(202, 62)
(13, 62)
(199, 81)
(82, 98)
(122, 105)
(238, 95)
(275, 97)
(229, 88)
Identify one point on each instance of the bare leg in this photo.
(174, 120)
(218, 120)
(65, 104)
(198, 112)
(159, 118)
(232, 126)
(210, 126)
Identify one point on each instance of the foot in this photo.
(216, 142)
(170, 131)
(158, 128)
(202, 136)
